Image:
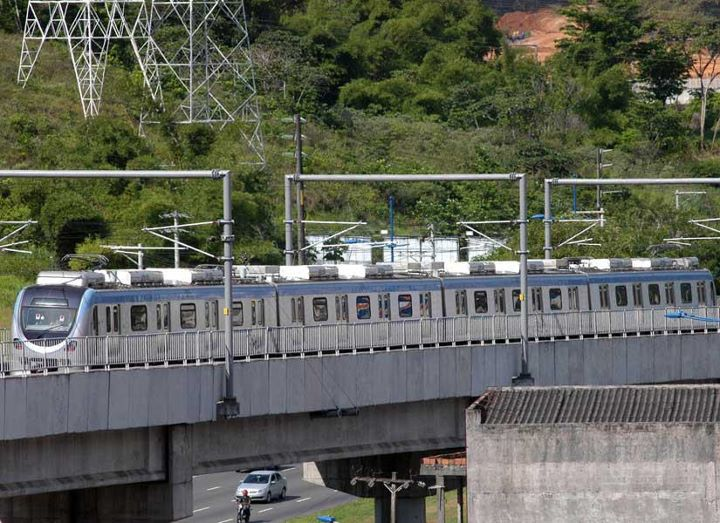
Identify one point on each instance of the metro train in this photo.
(69, 305)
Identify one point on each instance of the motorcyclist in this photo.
(243, 503)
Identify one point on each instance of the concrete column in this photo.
(409, 510)
(440, 484)
(460, 500)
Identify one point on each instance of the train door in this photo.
(256, 337)
(112, 329)
(457, 330)
(342, 318)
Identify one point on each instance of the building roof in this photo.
(626, 404)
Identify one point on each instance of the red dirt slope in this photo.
(541, 30)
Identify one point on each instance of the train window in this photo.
(116, 318)
(214, 314)
(516, 301)
(320, 309)
(362, 307)
(425, 305)
(158, 316)
(670, 293)
(621, 298)
(461, 303)
(405, 305)
(300, 309)
(338, 312)
(604, 292)
(261, 312)
(701, 297)
(654, 293)
(253, 312)
(685, 293)
(138, 318)
(166, 316)
(537, 301)
(556, 299)
(499, 301)
(237, 314)
(207, 315)
(293, 310)
(108, 320)
(573, 299)
(637, 294)
(481, 302)
(344, 309)
(95, 322)
(387, 306)
(188, 316)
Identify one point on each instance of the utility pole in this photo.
(300, 192)
(175, 215)
(599, 166)
(431, 228)
(391, 203)
(393, 484)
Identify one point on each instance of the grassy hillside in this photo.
(415, 86)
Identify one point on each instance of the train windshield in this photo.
(47, 322)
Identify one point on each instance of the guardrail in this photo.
(198, 347)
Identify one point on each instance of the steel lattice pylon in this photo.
(194, 55)
(210, 63)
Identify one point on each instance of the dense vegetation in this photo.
(387, 86)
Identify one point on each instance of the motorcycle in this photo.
(243, 512)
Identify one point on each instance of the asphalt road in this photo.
(213, 499)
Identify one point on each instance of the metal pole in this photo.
(636, 181)
(300, 191)
(391, 202)
(176, 236)
(393, 494)
(228, 407)
(548, 219)
(598, 167)
(101, 173)
(524, 378)
(677, 200)
(432, 243)
(288, 221)
(140, 256)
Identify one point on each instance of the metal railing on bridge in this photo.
(199, 347)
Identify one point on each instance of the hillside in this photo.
(388, 87)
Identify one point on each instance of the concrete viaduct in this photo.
(123, 445)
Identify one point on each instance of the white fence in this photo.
(266, 342)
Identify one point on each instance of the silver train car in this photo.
(65, 306)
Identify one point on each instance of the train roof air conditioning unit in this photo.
(132, 278)
(71, 278)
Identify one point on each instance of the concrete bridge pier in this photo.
(150, 501)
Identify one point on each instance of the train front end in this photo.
(47, 320)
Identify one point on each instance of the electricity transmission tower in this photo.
(194, 55)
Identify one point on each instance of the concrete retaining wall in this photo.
(592, 473)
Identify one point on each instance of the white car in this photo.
(264, 485)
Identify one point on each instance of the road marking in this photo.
(285, 470)
(264, 510)
(226, 521)
(301, 500)
(200, 509)
(212, 488)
